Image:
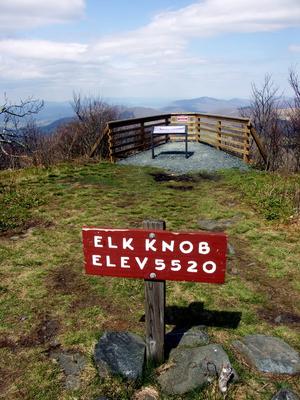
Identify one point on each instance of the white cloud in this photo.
(42, 50)
(21, 14)
(149, 58)
(294, 48)
(212, 17)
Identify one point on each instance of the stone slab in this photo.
(285, 394)
(120, 353)
(269, 354)
(190, 368)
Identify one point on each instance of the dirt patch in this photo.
(278, 316)
(46, 330)
(165, 177)
(276, 290)
(117, 325)
(26, 228)
(8, 343)
(66, 281)
(183, 188)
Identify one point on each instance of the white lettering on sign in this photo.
(209, 267)
(149, 244)
(192, 266)
(97, 241)
(110, 243)
(140, 263)
(127, 244)
(124, 262)
(167, 246)
(137, 253)
(108, 262)
(96, 260)
(186, 247)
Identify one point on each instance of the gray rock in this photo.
(190, 368)
(120, 353)
(196, 336)
(269, 354)
(285, 394)
(72, 364)
(102, 398)
(219, 225)
(230, 250)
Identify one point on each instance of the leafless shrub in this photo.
(294, 118)
(13, 118)
(265, 117)
(76, 138)
(92, 116)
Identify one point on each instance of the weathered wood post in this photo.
(199, 129)
(219, 134)
(155, 300)
(246, 147)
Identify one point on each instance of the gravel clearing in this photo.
(201, 158)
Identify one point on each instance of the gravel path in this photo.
(202, 158)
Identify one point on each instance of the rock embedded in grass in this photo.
(120, 353)
(217, 225)
(191, 368)
(285, 394)
(230, 250)
(269, 354)
(72, 364)
(193, 337)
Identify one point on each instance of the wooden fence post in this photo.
(155, 300)
(199, 129)
(247, 133)
(111, 157)
(143, 144)
(219, 134)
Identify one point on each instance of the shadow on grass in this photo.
(195, 314)
(184, 318)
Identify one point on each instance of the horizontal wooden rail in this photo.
(231, 134)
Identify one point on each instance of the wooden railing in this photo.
(230, 134)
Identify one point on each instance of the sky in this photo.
(157, 49)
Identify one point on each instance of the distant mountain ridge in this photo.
(208, 105)
(55, 114)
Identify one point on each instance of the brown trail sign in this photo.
(155, 255)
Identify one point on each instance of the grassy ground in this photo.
(47, 300)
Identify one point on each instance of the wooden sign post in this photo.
(155, 255)
(155, 302)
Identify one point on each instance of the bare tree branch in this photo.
(12, 115)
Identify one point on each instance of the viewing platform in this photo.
(215, 141)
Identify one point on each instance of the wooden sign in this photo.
(182, 118)
(169, 129)
(156, 255)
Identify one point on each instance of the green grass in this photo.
(42, 271)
